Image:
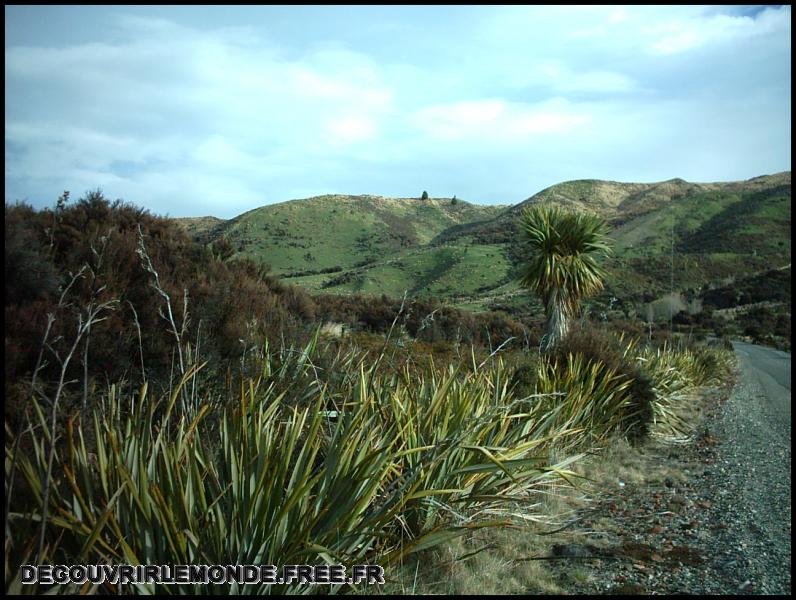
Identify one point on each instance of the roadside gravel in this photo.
(723, 526)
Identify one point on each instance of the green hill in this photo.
(706, 231)
(697, 233)
(334, 231)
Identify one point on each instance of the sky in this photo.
(193, 111)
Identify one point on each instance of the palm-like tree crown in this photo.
(563, 268)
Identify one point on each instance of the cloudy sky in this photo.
(217, 110)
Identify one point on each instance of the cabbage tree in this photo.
(563, 267)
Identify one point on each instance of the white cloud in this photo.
(618, 16)
(588, 32)
(352, 129)
(495, 120)
(562, 78)
(678, 41)
(676, 36)
(217, 152)
(193, 100)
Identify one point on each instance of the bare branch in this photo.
(196, 360)
(74, 277)
(39, 363)
(83, 327)
(147, 264)
(185, 319)
(498, 349)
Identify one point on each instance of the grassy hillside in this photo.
(199, 227)
(695, 234)
(439, 271)
(341, 231)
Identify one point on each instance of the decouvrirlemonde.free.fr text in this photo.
(202, 574)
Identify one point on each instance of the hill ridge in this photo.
(343, 243)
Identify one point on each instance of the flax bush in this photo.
(675, 374)
(370, 470)
(320, 459)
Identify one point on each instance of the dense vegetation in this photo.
(212, 303)
(756, 307)
(769, 286)
(174, 403)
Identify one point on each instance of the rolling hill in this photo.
(698, 234)
(335, 231)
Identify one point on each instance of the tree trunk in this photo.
(556, 327)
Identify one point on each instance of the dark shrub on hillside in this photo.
(773, 285)
(703, 321)
(763, 323)
(426, 320)
(226, 301)
(661, 335)
(29, 274)
(499, 327)
(630, 328)
(598, 345)
(222, 248)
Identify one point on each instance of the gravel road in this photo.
(752, 482)
(724, 527)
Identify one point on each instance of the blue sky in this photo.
(192, 111)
